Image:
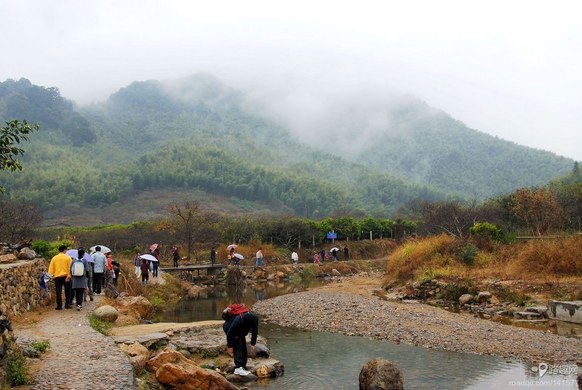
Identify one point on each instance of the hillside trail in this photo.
(79, 357)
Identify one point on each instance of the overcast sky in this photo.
(508, 68)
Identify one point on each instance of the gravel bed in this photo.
(417, 324)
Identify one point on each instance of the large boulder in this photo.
(7, 258)
(465, 299)
(26, 254)
(483, 297)
(106, 313)
(381, 374)
(137, 306)
(176, 371)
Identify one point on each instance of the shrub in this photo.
(41, 248)
(40, 346)
(16, 368)
(102, 327)
(468, 253)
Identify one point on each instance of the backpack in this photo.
(237, 309)
(78, 268)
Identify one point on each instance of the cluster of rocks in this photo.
(191, 353)
(484, 304)
(182, 354)
(12, 253)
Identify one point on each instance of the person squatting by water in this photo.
(60, 269)
(238, 322)
(79, 282)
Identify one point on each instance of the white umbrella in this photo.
(239, 256)
(104, 249)
(335, 248)
(75, 254)
(148, 257)
(231, 246)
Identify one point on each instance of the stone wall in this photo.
(20, 289)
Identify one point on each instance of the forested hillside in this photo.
(197, 134)
(430, 147)
(149, 137)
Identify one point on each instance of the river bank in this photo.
(350, 308)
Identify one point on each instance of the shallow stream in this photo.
(316, 360)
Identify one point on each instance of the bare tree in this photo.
(189, 222)
(18, 220)
(538, 209)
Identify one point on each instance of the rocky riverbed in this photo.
(416, 324)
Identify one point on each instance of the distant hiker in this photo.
(238, 322)
(116, 270)
(155, 264)
(137, 264)
(316, 258)
(346, 253)
(232, 258)
(322, 254)
(260, 261)
(334, 254)
(212, 256)
(60, 269)
(99, 268)
(175, 256)
(295, 257)
(145, 272)
(79, 277)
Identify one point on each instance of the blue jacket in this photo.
(100, 262)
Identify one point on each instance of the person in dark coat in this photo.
(212, 256)
(236, 327)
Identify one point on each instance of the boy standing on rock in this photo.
(60, 269)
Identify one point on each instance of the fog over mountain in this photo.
(507, 69)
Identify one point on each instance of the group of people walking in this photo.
(81, 276)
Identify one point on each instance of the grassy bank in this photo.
(550, 267)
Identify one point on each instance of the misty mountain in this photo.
(403, 136)
(193, 136)
(199, 135)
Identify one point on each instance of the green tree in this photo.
(12, 135)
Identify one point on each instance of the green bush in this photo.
(468, 253)
(41, 248)
(16, 368)
(40, 346)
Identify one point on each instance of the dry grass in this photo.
(551, 260)
(413, 258)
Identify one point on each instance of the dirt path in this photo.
(349, 307)
(79, 357)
